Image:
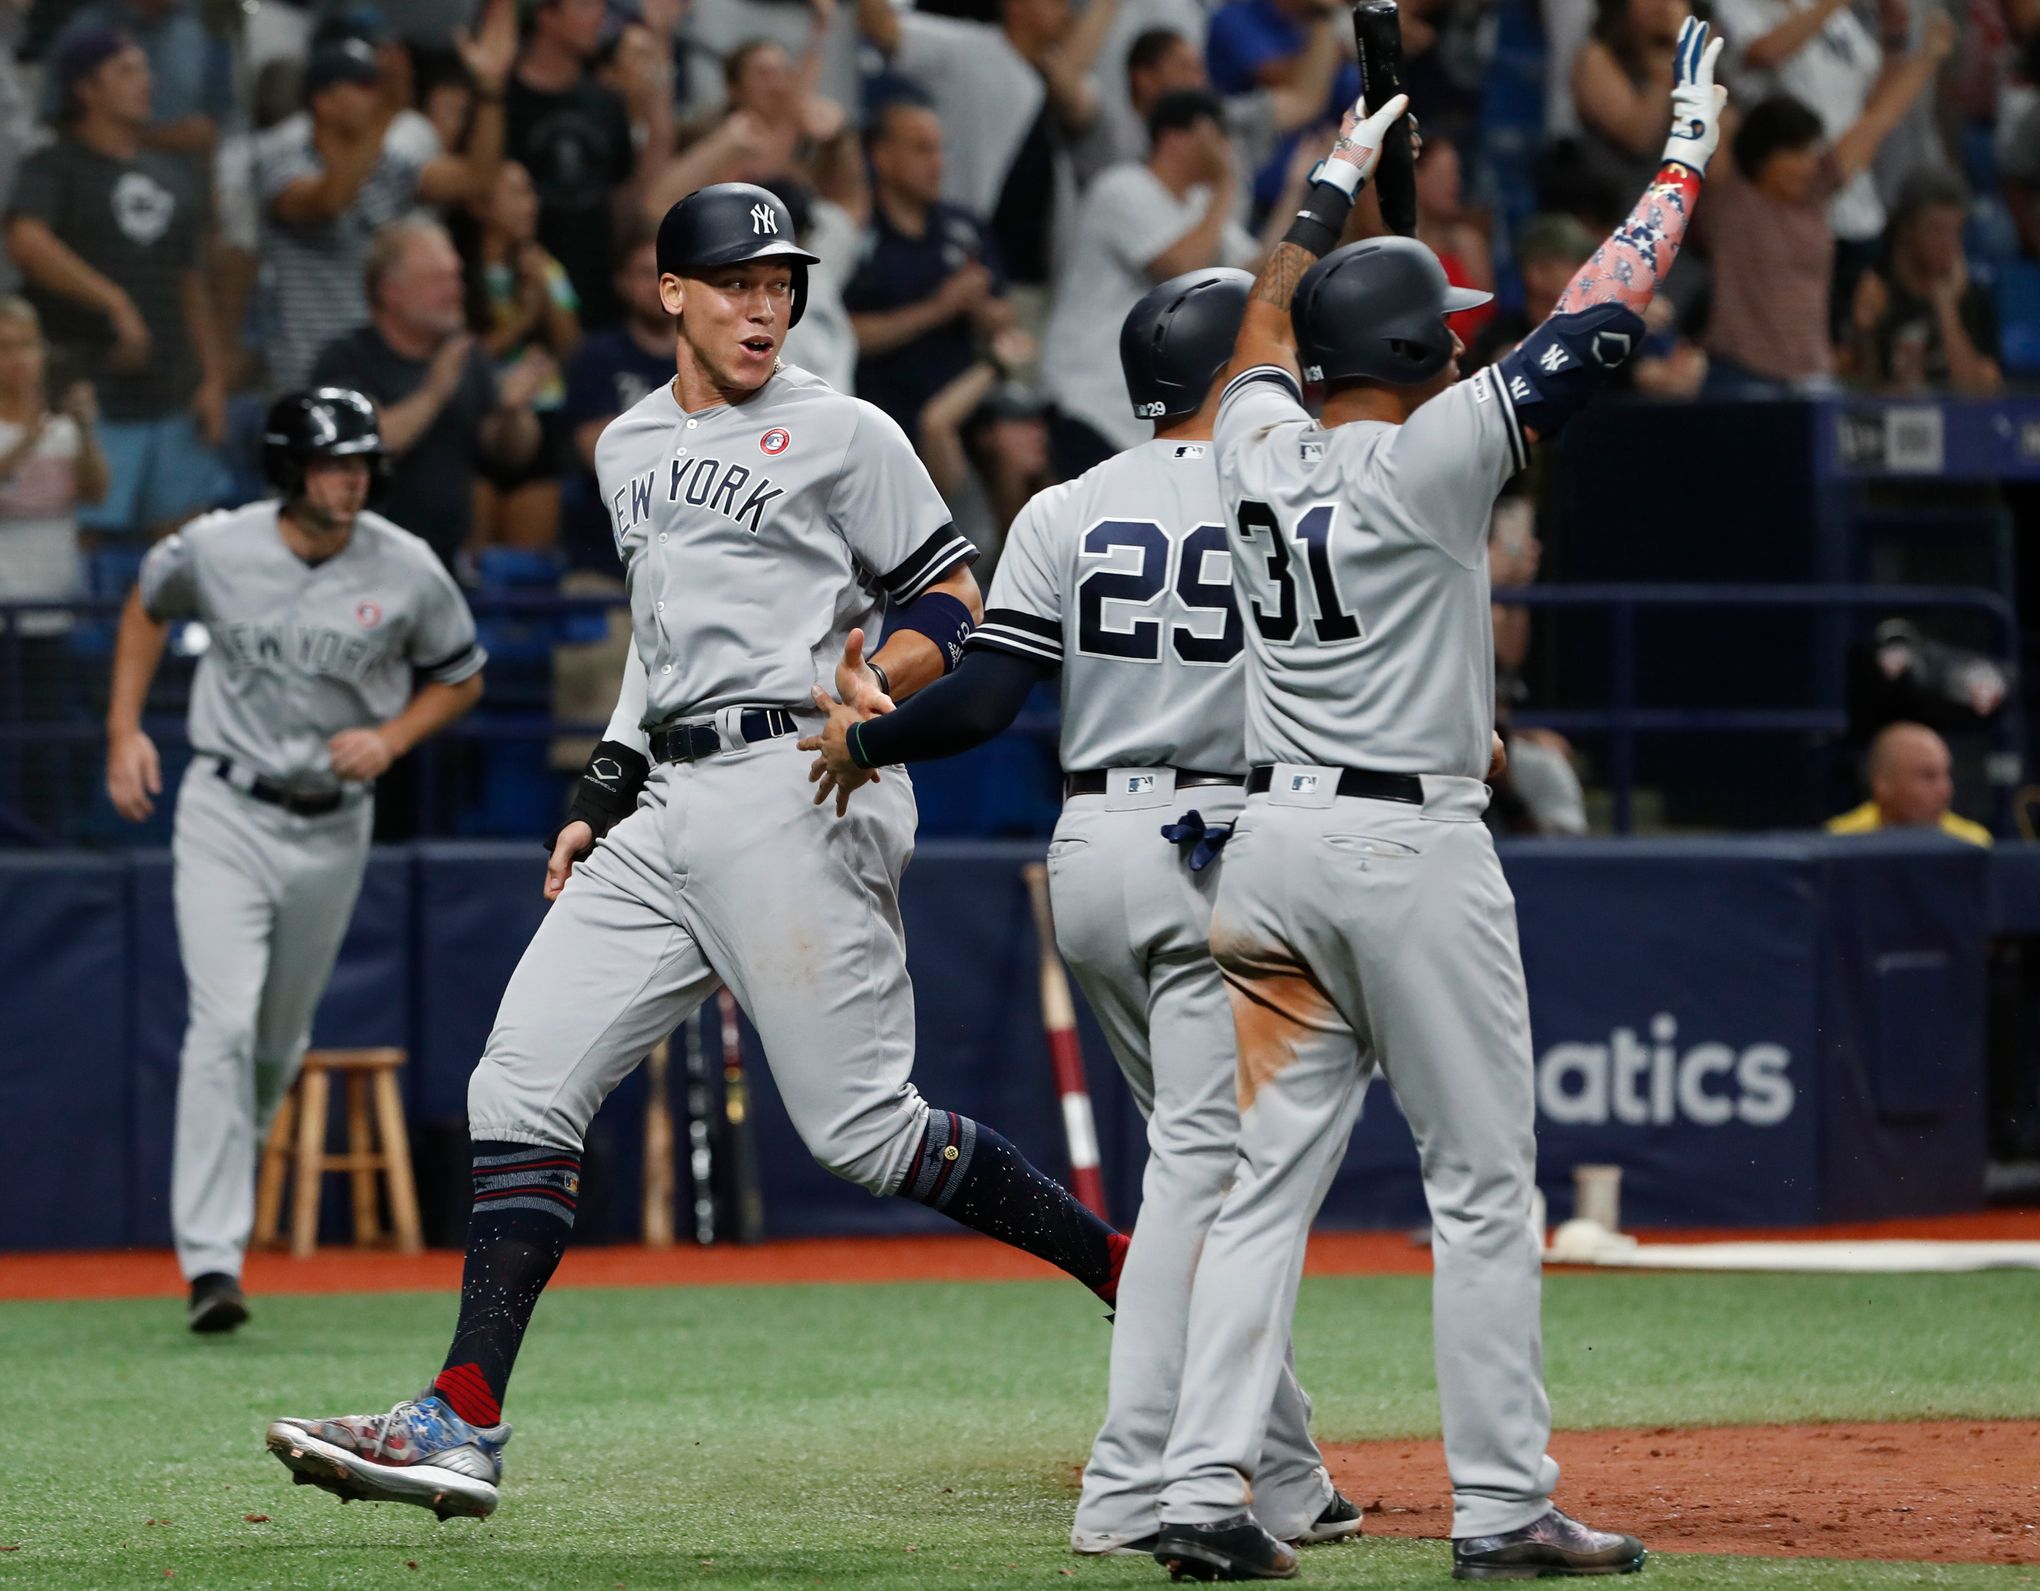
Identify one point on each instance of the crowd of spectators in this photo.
(448, 203)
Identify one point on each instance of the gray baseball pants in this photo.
(262, 898)
(726, 873)
(1133, 922)
(1360, 934)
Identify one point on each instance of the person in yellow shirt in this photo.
(1910, 787)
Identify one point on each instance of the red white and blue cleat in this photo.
(421, 1452)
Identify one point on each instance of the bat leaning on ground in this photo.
(1065, 1056)
(657, 1222)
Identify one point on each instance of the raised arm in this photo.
(488, 53)
(879, 23)
(1302, 100)
(1266, 335)
(1631, 266)
(1898, 86)
(1802, 25)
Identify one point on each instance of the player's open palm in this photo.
(856, 686)
(134, 774)
(834, 771)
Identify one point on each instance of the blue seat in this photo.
(2018, 305)
(111, 570)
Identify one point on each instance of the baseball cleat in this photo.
(1553, 1545)
(1340, 1521)
(421, 1452)
(1142, 1547)
(217, 1303)
(1236, 1548)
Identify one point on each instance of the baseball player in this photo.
(322, 618)
(1121, 580)
(766, 524)
(1363, 922)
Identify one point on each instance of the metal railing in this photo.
(1623, 720)
(1621, 723)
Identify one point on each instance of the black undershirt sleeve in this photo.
(957, 712)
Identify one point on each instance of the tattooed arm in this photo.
(1266, 335)
(1631, 266)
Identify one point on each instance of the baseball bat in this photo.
(1065, 1055)
(749, 1225)
(700, 1133)
(658, 1180)
(1377, 34)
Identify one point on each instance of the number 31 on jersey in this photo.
(1279, 621)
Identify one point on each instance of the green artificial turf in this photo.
(915, 1435)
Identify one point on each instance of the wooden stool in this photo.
(370, 1075)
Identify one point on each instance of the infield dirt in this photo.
(1950, 1491)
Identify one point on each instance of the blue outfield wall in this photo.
(1759, 1032)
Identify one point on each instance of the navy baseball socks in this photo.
(974, 1176)
(443, 1449)
(524, 1214)
(525, 1196)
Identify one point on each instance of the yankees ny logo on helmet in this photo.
(763, 220)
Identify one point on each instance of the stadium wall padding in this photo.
(1758, 1031)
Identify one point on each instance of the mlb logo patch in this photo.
(1140, 784)
(1303, 784)
(367, 614)
(1190, 450)
(1313, 452)
(775, 441)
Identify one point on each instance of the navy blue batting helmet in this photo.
(731, 223)
(1375, 311)
(1178, 338)
(322, 423)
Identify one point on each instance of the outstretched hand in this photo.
(856, 685)
(834, 771)
(1357, 150)
(1697, 100)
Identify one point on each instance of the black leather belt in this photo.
(691, 742)
(1092, 782)
(1405, 787)
(277, 796)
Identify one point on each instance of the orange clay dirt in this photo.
(1948, 1491)
(152, 1273)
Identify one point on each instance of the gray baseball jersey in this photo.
(1359, 935)
(299, 652)
(1123, 577)
(755, 536)
(1360, 558)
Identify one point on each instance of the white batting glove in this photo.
(1358, 151)
(1697, 101)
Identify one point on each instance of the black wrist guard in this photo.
(1323, 217)
(607, 790)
